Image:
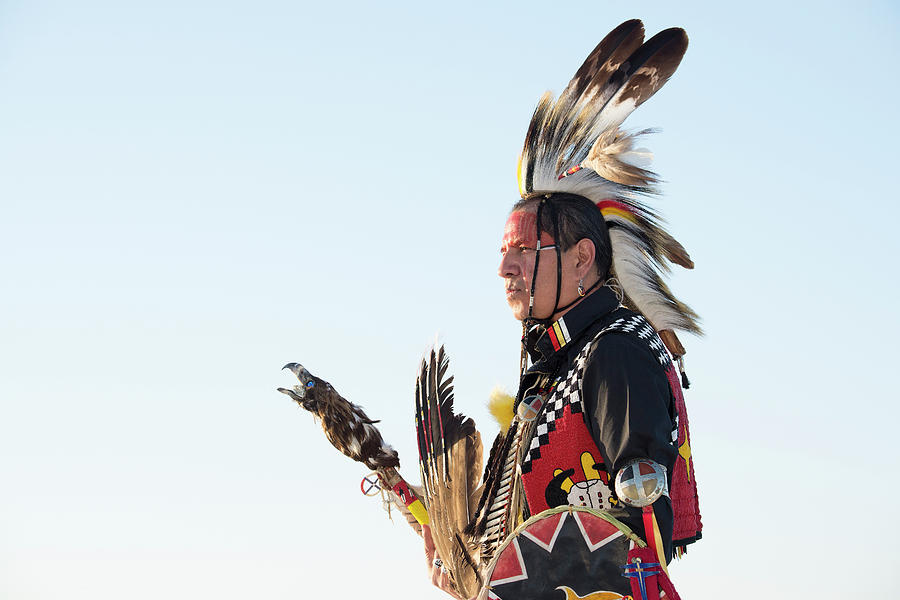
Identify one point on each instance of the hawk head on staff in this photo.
(345, 424)
(306, 393)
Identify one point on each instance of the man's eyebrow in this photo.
(517, 239)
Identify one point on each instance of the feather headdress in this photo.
(575, 145)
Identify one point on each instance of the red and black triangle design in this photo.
(578, 550)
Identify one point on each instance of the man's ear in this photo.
(585, 254)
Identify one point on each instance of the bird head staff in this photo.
(305, 393)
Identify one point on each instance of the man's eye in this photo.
(518, 250)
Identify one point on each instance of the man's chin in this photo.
(519, 311)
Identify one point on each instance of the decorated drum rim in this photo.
(626, 531)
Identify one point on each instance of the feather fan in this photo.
(450, 457)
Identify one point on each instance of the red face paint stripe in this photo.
(521, 230)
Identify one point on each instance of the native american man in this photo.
(581, 258)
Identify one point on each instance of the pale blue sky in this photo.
(193, 194)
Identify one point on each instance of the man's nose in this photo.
(509, 267)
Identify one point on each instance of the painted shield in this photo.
(564, 553)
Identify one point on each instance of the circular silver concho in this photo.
(640, 482)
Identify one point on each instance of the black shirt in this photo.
(625, 391)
